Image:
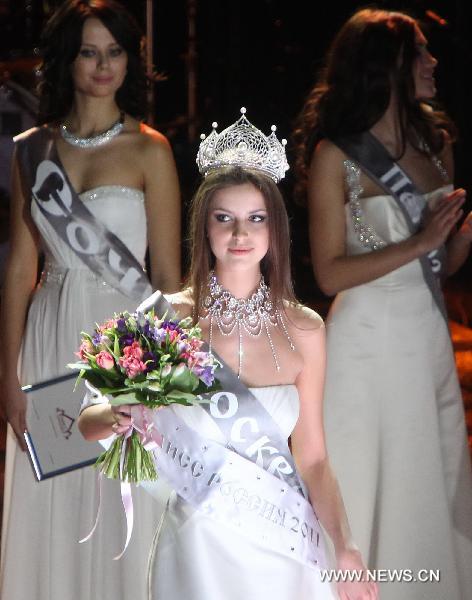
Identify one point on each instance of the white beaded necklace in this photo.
(95, 140)
(252, 316)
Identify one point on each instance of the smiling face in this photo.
(423, 69)
(100, 66)
(238, 227)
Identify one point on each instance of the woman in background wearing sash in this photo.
(240, 243)
(93, 82)
(393, 409)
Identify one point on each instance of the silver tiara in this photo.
(243, 145)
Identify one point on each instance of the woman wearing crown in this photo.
(242, 525)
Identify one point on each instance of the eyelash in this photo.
(224, 218)
(88, 53)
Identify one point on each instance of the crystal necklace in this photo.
(95, 140)
(251, 316)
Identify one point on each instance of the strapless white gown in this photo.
(395, 422)
(197, 558)
(43, 521)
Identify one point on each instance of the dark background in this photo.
(262, 54)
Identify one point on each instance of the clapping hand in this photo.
(440, 221)
(465, 230)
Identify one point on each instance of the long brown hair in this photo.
(372, 54)
(275, 266)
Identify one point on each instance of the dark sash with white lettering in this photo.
(105, 254)
(251, 483)
(377, 163)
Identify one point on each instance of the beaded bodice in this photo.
(375, 221)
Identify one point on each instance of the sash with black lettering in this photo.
(105, 254)
(251, 484)
(377, 163)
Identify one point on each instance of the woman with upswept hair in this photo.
(122, 179)
(376, 169)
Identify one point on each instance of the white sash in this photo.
(103, 252)
(236, 492)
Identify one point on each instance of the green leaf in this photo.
(154, 375)
(116, 348)
(78, 366)
(129, 398)
(154, 386)
(183, 379)
(202, 388)
(95, 379)
(180, 397)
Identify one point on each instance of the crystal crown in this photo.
(243, 145)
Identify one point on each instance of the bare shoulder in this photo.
(153, 141)
(182, 302)
(326, 168)
(303, 321)
(328, 154)
(148, 144)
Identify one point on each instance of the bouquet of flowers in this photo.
(137, 358)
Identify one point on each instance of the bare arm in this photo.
(20, 280)
(163, 213)
(308, 442)
(334, 270)
(309, 451)
(99, 421)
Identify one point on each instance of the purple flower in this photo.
(149, 358)
(171, 326)
(205, 374)
(157, 334)
(127, 339)
(144, 328)
(121, 325)
(182, 346)
(96, 338)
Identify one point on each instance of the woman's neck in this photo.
(241, 284)
(389, 130)
(91, 116)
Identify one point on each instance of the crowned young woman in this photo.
(241, 518)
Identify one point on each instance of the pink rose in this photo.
(131, 361)
(133, 351)
(172, 335)
(110, 324)
(105, 360)
(85, 347)
(132, 366)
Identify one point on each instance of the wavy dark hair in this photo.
(275, 265)
(372, 55)
(60, 45)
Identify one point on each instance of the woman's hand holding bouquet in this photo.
(141, 359)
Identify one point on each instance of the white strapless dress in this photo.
(395, 422)
(197, 558)
(43, 521)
